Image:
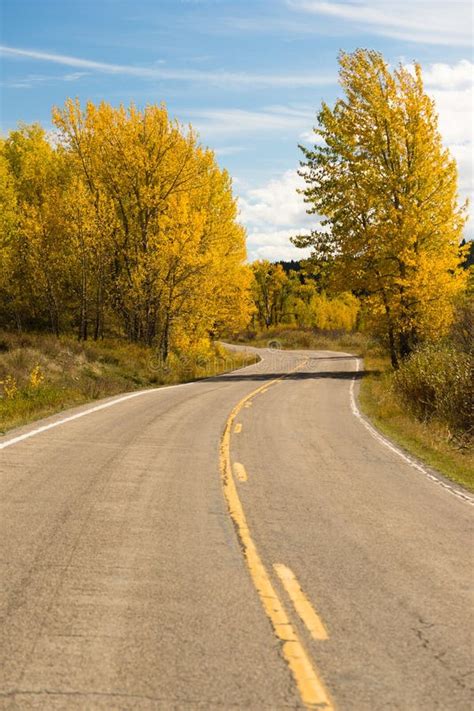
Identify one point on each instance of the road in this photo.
(243, 542)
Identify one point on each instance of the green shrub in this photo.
(437, 383)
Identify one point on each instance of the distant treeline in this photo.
(292, 297)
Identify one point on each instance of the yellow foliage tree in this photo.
(271, 291)
(336, 314)
(8, 233)
(387, 190)
(167, 216)
(120, 217)
(39, 246)
(293, 299)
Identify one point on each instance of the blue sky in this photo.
(249, 75)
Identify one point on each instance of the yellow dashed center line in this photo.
(239, 471)
(238, 428)
(310, 686)
(301, 603)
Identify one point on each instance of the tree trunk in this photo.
(83, 326)
(164, 341)
(391, 334)
(98, 325)
(405, 346)
(393, 348)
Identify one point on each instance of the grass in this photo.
(429, 441)
(41, 374)
(307, 339)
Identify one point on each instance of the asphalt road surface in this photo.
(203, 547)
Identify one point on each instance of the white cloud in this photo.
(31, 80)
(276, 203)
(452, 88)
(272, 214)
(429, 21)
(314, 139)
(450, 76)
(463, 155)
(455, 114)
(221, 78)
(229, 122)
(275, 211)
(308, 137)
(73, 76)
(280, 248)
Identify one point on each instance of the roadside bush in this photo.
(41, 374)
(462, 329)
(437, 383)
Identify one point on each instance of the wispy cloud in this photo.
(428, 21)
(31, 80)
(229, 150)
(73, 76)
(234, 122)
(223, 78)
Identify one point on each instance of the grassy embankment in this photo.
(429, 440)
(41, 374)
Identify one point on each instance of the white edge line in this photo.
(89, 411)
(383, 440)
(105, 405)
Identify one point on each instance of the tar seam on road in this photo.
(312, 690)
(383, 440)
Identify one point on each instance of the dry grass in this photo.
(308, 339)
(431, 441)
(41, 374)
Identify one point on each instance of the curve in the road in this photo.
(310, 685)
(125, 583)
(409, 460)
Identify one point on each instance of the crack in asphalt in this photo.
(427, 644)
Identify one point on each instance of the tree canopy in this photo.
(386, 191)
(293, 299)
(120, 221)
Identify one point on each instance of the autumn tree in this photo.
(165, 217)
(271, 291)
(292, 298)
(387, 193)
(38, 249)
(119, 222)
(8, 233)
